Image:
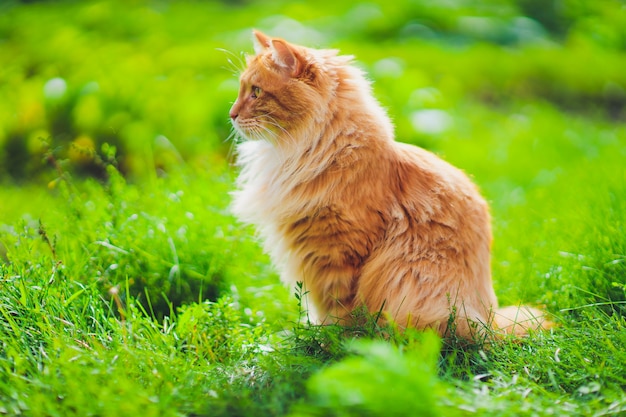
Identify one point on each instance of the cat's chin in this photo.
(241, 134)
(248, 138)
(245, 134)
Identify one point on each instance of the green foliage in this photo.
(360, 385)
(219, 332)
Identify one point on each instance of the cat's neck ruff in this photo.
(267, 181)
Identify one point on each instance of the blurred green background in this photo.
(155, 79)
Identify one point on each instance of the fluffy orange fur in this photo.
(358, 218)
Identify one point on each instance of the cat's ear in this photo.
(286, 57)
(261, 42)
(283, 54)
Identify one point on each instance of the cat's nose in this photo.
(234, 110)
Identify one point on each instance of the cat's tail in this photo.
(520, 320)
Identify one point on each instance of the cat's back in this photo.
(431, 187)
(431, 165)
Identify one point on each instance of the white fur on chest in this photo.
(265, 198)
(260, 171)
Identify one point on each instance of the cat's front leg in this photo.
(328, 251)
(333, 292)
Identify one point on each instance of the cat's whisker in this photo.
(233, 138)
(273, 122)
(284, 132)
(272, 136)
(234, 68)
(253, 131)
(276, 150)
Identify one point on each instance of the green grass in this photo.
(127, 288)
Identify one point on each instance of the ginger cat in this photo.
(359, 219)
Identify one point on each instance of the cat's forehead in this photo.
(259, 72)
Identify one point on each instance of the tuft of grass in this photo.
(360, 384)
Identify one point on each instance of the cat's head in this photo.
(285, 89)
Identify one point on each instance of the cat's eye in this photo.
(256, 91)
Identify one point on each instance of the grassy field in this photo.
(127, 288)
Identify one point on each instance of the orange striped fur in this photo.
(358, 218)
